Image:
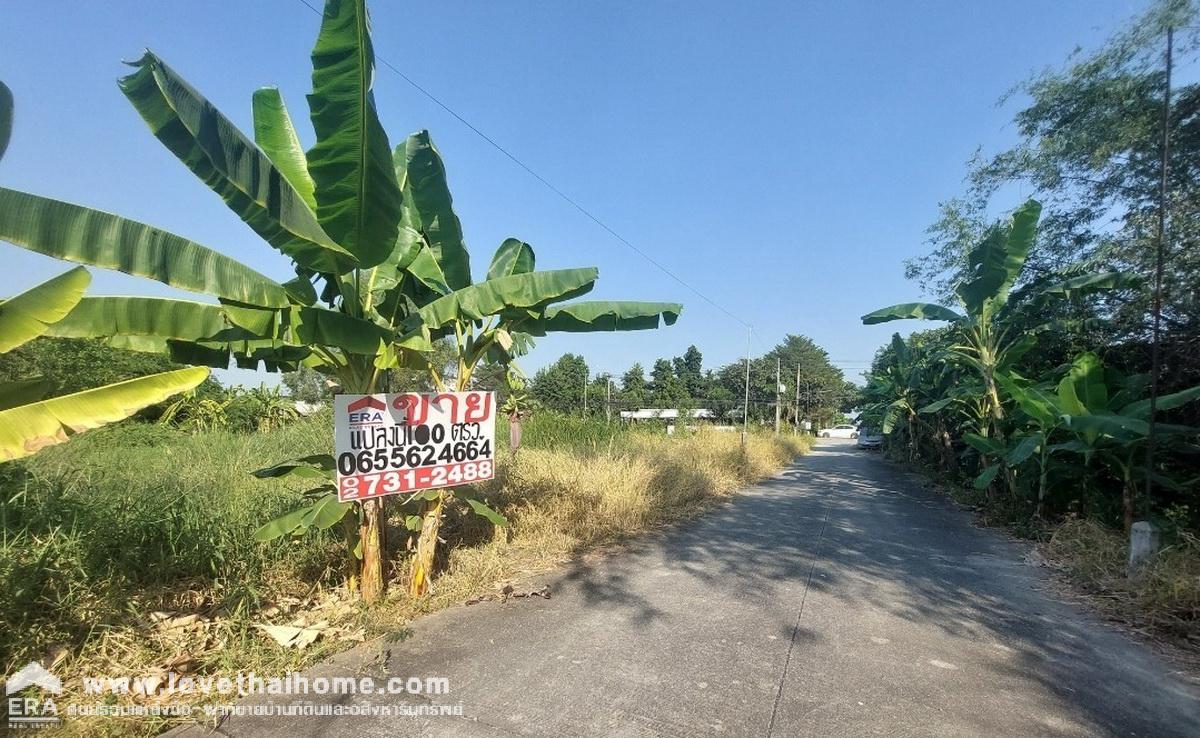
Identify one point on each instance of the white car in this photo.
(869, 438)
(840, 431)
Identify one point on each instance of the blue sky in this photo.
(783, 158)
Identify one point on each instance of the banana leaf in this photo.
(900, 348)
(519, 291)
(1141, 408)
(301, 290)
(314, 466)
(318, 326)
(231, 165)
(1088, 283)
(1084, 390)
(33, 312)
(905, 311)
(995, 263)
(983, 444)
(276, 136)
(28, 428)
(6, 117)
(513, 257)
(586, 317)
(85, 236)
(358, 199)
(431, 211)
(1034, 401)
(936, 406)
(984, 480)
(99, 317)
(1119, 427)
(1024, 449)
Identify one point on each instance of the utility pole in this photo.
(608, 400)
(585, 384)
(778, 396)
(797, 426)
(807, 400)
(746, 403)
(1155, 350)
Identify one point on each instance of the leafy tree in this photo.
(74, 364)
(689, 371)
(1090, 147)
(598, 390)
(666, 389)
(822, 386)
(307, 385)
(634, 390)
(559, 386)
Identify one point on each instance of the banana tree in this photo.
(1107, 416)
(892, 393)
(379, 262)
(990, 343)
(1043, 415)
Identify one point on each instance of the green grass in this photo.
(119, 520)
(99, 533)
(123, 514)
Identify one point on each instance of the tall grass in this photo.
(1164, 594)
(131, 519)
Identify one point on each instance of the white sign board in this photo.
(397, 443)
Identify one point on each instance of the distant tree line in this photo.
(682, 382)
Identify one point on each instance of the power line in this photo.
(549, 185)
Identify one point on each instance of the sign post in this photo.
(389, 444)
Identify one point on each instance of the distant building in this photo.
(664, 414)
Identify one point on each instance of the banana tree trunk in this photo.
(373, 537)
(947, 450)
(423, 562)
(351, 532)
(514, 432)
(997, 417)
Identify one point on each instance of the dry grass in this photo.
(94, 550)
(562, 501)
(1165, 596)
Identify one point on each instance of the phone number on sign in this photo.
(367, 486)
(414, 455)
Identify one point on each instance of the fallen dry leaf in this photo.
(290, 636)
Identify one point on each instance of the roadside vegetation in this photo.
(119, 564)
(1034, 400)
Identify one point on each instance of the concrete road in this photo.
(838, 599)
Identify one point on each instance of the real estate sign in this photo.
(389, 444)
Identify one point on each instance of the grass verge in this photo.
(129, 551)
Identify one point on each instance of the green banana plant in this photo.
(988, 342)
(29, 421)
(1107, 416)
(381, 268)
(1043, 417)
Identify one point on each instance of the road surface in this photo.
(838, 599)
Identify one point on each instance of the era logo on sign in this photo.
(366, 410)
